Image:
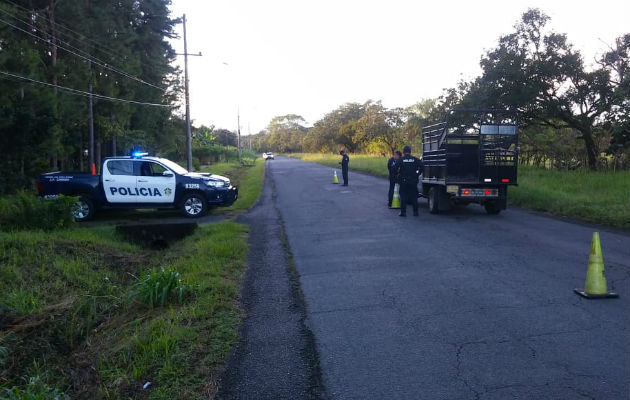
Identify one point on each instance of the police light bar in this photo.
(137, 154)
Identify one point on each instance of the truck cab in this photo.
(139, 181)
(470, 157)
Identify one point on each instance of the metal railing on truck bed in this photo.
(471, 146)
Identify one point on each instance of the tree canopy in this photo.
(52, 52)
(570, 113)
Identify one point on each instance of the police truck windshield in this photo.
(173, 166)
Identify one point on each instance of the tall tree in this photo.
(538, 72)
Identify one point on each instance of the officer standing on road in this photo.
(392, 167)
(409, 168)
(344, 166)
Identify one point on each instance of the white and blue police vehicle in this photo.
(139, 181)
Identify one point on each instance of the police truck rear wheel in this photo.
(194, 205)
(433, 201)
(83, 209)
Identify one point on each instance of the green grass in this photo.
(373, 165)
(69, 319)
(249, 179)
(597, 197)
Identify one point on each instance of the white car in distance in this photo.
(267, 156)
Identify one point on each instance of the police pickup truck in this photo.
(138, 181)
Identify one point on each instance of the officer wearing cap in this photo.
(409, 169)
(344, 166)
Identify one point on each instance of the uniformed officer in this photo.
(344, 166)
(392, 167)
(409, 168)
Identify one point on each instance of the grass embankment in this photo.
(597, 197)
(372, 165)
(248, 177)
(75, 316)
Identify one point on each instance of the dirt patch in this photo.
(156, 236)
(84, 376)
(32, 321)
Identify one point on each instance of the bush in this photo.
(35, 390)
(26, 211)
(212, 154)
(159, 287)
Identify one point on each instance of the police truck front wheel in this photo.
(83, 209)
(194, 205)
(433, 201)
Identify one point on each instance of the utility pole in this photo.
(90, 119)
(188, 133)
(238, 137)
(249, 136)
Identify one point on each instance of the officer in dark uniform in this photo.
(409, 168)
(392, 167)
(344, 166)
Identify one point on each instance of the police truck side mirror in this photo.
(167, 174)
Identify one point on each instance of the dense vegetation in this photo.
(571, 115)
(80, 313)
(52, 53)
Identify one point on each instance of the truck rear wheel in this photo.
(434, 201)
(194, 205)
(83, 209)
(492, 208)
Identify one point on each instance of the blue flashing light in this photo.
(138, 154)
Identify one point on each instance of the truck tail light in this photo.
(505, 180)
(479, 192)
(40, 187)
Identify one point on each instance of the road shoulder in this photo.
(275, 357)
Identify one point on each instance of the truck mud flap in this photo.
(444, 200)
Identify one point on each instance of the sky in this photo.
(275, 57)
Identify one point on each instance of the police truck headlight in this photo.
(213, 183)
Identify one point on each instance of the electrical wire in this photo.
(95, 44)
(48, 40)
(91, 59)
(83, 93)
(82, 37)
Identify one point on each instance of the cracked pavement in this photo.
(456, 306)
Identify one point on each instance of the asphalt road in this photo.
(456, 306)
(275, 358)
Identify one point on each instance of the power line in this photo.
(95, 44)
(82, 93)
(60, 33)
(50, 36)
(92, 59)
(81, 37)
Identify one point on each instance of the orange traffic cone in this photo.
(595, 286)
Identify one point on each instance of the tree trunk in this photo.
(98, 155)
(591, 148)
